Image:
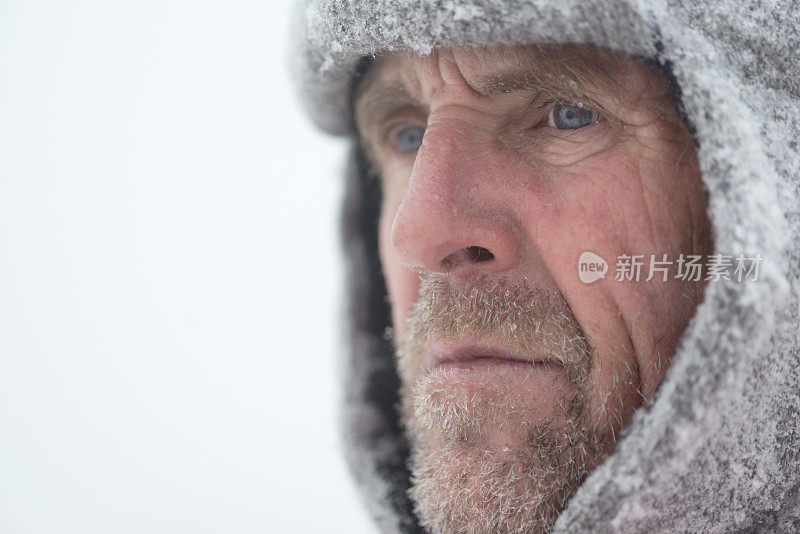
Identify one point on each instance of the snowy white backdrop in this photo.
(169, 275)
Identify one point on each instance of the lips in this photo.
(457, 355)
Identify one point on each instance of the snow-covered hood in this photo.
(719, 447)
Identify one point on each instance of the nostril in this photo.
(477, 254)
(466, 256)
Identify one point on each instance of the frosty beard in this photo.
(494, 456)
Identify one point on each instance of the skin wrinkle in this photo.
(657, 340)
(639, 348)
(647, 206)
(627, 328)
(501, 448)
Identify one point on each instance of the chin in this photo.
(491, 459)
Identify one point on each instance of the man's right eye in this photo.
(407, 138)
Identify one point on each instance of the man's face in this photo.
(517, 377)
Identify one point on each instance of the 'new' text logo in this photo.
(591, 267)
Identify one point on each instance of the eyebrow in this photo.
(495, 84)
(378, 95)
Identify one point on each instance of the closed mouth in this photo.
(446, 354)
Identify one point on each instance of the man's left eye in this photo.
(571, 117)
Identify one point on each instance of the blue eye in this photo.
(570, 117)
(409, 138)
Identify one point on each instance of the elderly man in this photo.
(532, 193)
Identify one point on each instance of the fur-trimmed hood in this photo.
(718, 449)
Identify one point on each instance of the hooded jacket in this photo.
(718, 448)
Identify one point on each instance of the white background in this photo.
(169, 275)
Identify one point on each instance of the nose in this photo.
(455, 216)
